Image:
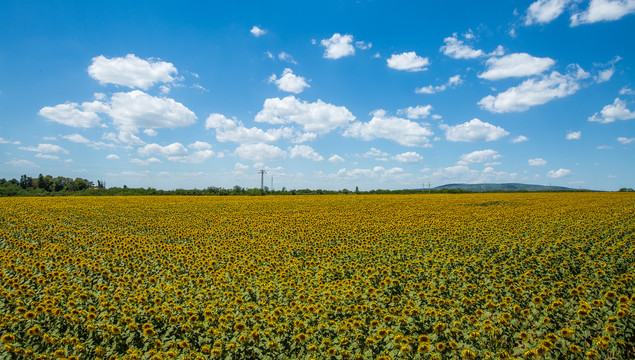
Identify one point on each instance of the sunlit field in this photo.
(467, 276)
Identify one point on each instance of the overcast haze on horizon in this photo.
(321, 94)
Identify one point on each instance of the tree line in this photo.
(61, 186)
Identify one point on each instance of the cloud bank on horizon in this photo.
(496, 100)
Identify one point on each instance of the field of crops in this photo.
(467, 276)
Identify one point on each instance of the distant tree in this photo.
(626, 190)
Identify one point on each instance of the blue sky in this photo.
(321, 94)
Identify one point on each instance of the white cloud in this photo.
(45, 148)
(145, 162)
(401, 131)
(195, 157)
(408, 157)
(240, 167)
(22, 164)
(200, 145)
(215, 121)
(535, 91)
(289, 81)
(457, 49)
(603, 10)
(150, 132)
(605, 75)
(77, 138)
(408, 61)
(478, 156)
(626, 91)
(233, 130)
(257, 32)
(474, 130)
(375, 153)
(338, 46)
(574, 135)
(603, 147)
(363, 45)
(306, 152)
(614, 111)
(515, 65)
(376, 173)
(283, 56)
(537, 162)
(47, 156)
(112, 157)
(545, 11)
(555, 174)
(174, 149)
(137, 109)
(519, 139)
(260, 152)
(417, 112)
(336, 159)
(177, 152)
(318, 117)
(68, 114)
(625, 141)
(452, 82)
(131, 71)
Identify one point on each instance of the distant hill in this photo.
(503, 187)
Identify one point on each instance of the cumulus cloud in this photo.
(478, 156)
(318, 117)
(555, 174)
(112, 157)
(305, 152)
(474, 130)
(336, 159)
(535, 91)
(257, 32)
(417, 112)
(408, 157)
(408, 61)
(519, 139)
(457, 49)
(574, 135)
(200, 145)
(45, 148)
(176, 152)
(131, 71)
(399, 130)
(624, 141)
(375, 153)
(338, 46)
(603, 10)
(174, 149)
(69, 114)
(545, 11)
(260, 152)
(136, 109)
(515, 65)
(289, 82)
(233, 130)
(452, 82)
(537, 162)
(614, 111)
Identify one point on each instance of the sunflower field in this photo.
(470, 276)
